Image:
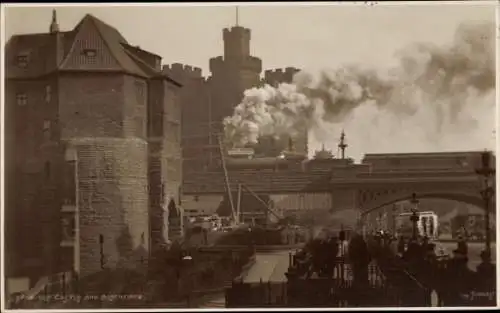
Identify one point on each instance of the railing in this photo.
(414, 282)
(262, 294)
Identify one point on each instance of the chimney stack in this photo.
(54, 27)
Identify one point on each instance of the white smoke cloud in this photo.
(437, 99)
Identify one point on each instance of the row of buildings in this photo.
(98, 136)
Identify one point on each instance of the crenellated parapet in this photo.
(216, 64)
(277, 76)
(181, 72)
(253, 64)
(236, 32)
(247, 63)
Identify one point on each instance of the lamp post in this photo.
(394, 211)
(186, 261)
(379, 221)
(414, 218)
(487, 175)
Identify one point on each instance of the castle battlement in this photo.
(182, 71)
(216, 64)
(248, 63)
(253, 64)
(277, 76)
(236, 29)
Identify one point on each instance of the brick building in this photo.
(206, 101)
(93, 156)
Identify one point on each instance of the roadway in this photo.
(272, 266)
(269, 266)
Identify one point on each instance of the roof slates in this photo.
(90, 32)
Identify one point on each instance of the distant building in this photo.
(92, 134)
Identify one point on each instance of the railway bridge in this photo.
(341, 184)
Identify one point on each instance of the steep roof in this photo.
(64, 51)
(94, 33)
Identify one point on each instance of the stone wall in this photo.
(113, 202)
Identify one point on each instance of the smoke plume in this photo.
(437, 98)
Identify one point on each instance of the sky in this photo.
(307, 37)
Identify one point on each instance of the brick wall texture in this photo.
(112, 201)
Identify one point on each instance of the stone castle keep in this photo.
(205, 101)
(93, 132)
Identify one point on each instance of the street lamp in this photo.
(379, 221)
(414, 218)
(394, 212)
(186, 261)
(487, 174)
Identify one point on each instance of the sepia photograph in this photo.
(249, 155)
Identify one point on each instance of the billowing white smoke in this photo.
(438, 98)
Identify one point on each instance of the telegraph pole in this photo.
(487, 174)
(342, 145)
(414, 218)
(394, 210)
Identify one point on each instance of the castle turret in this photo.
(275, 77)
(236, 42)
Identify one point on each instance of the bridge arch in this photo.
(475, 200)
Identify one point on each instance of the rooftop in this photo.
(45, 53)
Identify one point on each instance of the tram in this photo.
(427, 225)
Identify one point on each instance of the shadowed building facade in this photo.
(93, 153)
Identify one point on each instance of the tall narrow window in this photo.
(46, 129)
(101, 250)
(48, 94)
(180, 195)
(68, 228)
(21, 99)
(47, 170)
(140, 92)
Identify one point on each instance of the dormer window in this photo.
(22, 60)
(90, 53)
(22, 99)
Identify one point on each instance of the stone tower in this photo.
(232, 73)
(100, 158)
